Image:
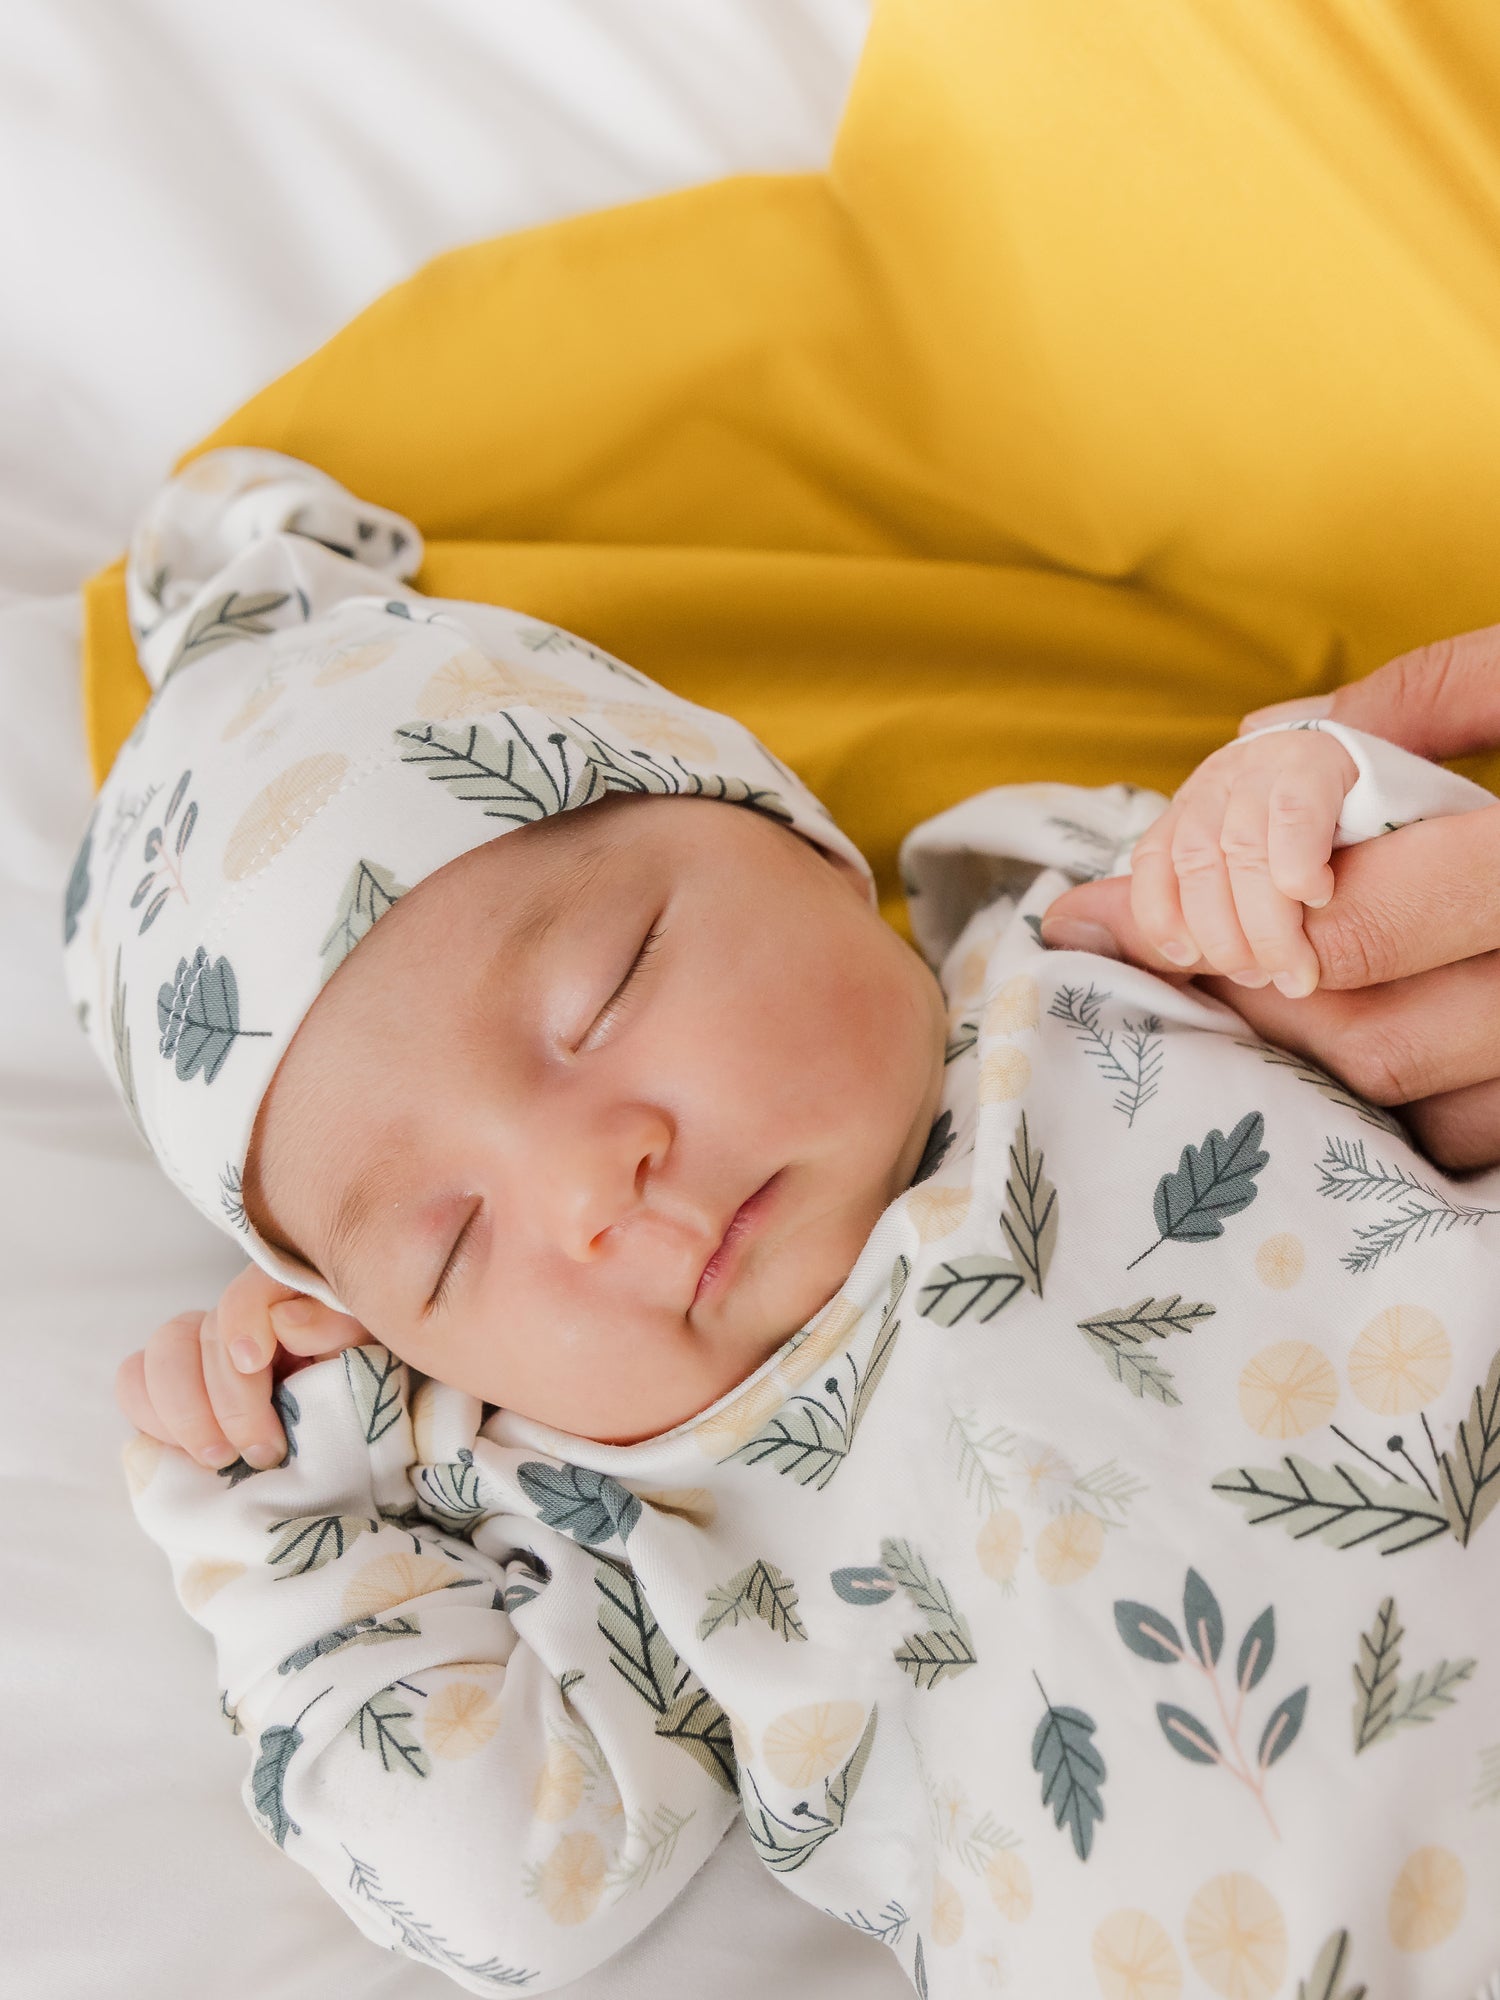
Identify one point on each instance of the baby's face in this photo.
(511, 1070)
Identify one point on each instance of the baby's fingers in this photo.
(172, 1368)
(241, 1402)
(1270, 919)
(1303, 816)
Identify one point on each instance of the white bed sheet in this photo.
(198, 193)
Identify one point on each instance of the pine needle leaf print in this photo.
(1376, 1674)
(420, 1939)
(268, 1779)
(588, 1505)
(1422, 1210)
(1134, 1062)
(927, 1592)
(1327, 1086)
(694, 1721)
(1424, 1697)
(1326, 1981)
(640, 1653)
(761, 1590)
(784, 1844)
(1030, 1218)
(1071, 1770)
(981, 1285)
(379, 1725)
(1344, 1506)
(375, 1379)
(308, 1541)
(1471, 1469)
(222, 621)
(1212, 1180)
(198, 1013)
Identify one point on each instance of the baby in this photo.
(959, 1425)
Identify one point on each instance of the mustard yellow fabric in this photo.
(1131, 365)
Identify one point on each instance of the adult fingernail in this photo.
(1076, 934)
(291, 1314)
(245, 1355)
(1306, 708)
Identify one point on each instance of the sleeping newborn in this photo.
(1014, 1439)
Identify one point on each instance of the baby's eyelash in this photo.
(457, 1258)
(616, 1000)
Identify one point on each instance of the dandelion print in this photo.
(397, 1579)
(571, 1879)
(460, 1719)
(1134, 1959)
(1069, 1547)
(947, 1912)
(1008, 1880)
(1236, 1937)
(558, 1792)
(806, 1743)
(1401, 1361)
(1279, 1262)
(1288, 1390)
(999, 1543)
(1427, 1901)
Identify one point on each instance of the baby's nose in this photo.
(597, 1178)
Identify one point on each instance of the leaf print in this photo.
(1212, 1180)
(964, 1039)
(77, 893)
(451, 1492)
(421, 1940)
(863, 1586)
(1257, 1649)
(1030, 1218)
(1424, 1697)
(696, 1723)
(959, 1286)
(280, 810)
(198, 1013)
(1340, 1505)
(1327, 1977)
(268, 1779)
(784, 1844)
(369, 892)
(1203, 1619)
(1375, 1677)
(759, 1588)
(179, 793)
(640, 1652)
(1487, 1784)
(1135, 1064)
(231, 1198)
(1149, 1634)
(927, 1592)
(310, 1540)
(1348, 1176)
(1063, 1752)
(1471, 1470)
(886, 1929)
(1187, 1735)
(588, 1505)
(939, 1650)
(1281, 1730)
(376, 1383)
(1146, 1319)
(358, 1632)
(1142, 1374)
(379, 1725)
(939, 1140)
(221, 622)
(120, 1036)
(809, 1440)
(1327, 1086)
(510, 780)
(919, 1973)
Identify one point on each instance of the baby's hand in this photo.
(204, 1380)
(1223, 874)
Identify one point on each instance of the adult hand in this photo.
(1407, 1010)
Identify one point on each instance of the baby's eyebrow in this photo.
(355, 1213)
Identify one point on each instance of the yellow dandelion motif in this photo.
(1279, 1261)
(649, 729)
(397, 1579)
(470, 683)
(970, 978)
(726, 1430)
(937, 1211)
(459, 1719)
(805, 1744)
(947, 1912)
(999, 1543)
(1236, 1937)
(1428, 1899)
(1401, 1361)
(1068, 1547)
(254, 708)
(571, 1878)
(1134, 1959)
(1016, 1006)
(559, 1785)
(828, 1333)
(1288, 1390)
(1008, 1880)
(279, 812)
(1048, 1475)
(1004, 1074)
(689, 1503)
(351, 660)
(203, 1580)
(140, 1459)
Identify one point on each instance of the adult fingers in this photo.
(1421, 897)
(1442, 700)
(1459, 1129)
(1097, 916)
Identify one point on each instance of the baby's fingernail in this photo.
(1180, 954)
(1076, 934)
(1318, 902)
(263, 1456)
(245, 1355)
(292, 1313)
(218, 1455)
(1304, 709)
(1296, 985)
(1252, 978)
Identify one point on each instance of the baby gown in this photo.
(1096, 1597)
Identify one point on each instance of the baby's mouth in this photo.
(746, 1218)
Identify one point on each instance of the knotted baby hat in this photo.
(319, 739)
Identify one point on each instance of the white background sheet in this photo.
(196, 193)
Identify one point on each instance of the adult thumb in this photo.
(1442, 700)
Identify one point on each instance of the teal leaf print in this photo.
(939, 1141)
(379, 1725)
(1383, 1702)
(1471, 1469)
(1071, 1769)
(1422, 1210)
(375, 1382)
(308, 1541)
(1203, 1619)
(1326, 1981)
(1281, 1730)
(359, 1632)
(963, 1039)
(419, 1938)
(809, 1440)
(221, 622)
(268, 1779)
(1188, 1736)
(919, 1969)
(198, 1013)
(1342, 1506)
(863, 1586)
(1149, 1634)
(1212, 1180)
(77, 894)
(981, 1285)
(784, 1844)
(368, 893)
(230, 1715)
(1257, 1649)
(1030, 1218)
(155, 851)
(759, 1589)
(589, 1506)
